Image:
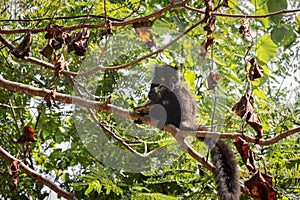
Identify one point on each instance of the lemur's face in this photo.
(165, 76)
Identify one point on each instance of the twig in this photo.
(35, 175)
(12, 107)
(57, 18)
(133, 11)
(105, 11)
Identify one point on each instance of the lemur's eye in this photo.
(162, 78)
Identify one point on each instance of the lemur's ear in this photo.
(173, 67)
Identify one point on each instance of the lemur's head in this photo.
(166, 76)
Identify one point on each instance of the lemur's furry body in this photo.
(174, 104)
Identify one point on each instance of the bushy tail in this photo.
(226, 171)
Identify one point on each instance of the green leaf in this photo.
(298, 23)
(89, 190)
(261, 8)
(260, 94)
(190, 77)
(265, 49)
(276, 5)
(283, 35)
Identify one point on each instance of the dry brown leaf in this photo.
(253, 120)
(78, 42)
(212, 79)
(205, 45)
(260, 186)
(245, 27)
(210, 27)
(244, 105)
(255, 71)
(23, 49)
(144, 30)
(47, 51)
(27, 135)
(50, 96)
(59, 63)
(244, 150)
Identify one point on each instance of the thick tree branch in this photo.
(35, 175)
(178, 135)
(180, 139)
(95, 105)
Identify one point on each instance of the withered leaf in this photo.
(51, 33)
(144, 30)
(23, 49)
(47, 51)
(50, 96)
(14, 168)
(79, 42)
(244, 150)
(245, 27)
(244, 105)
(205, 45)
(260, 186)
(13, 171)
(59, 63)
(107, 29)
(47, 98)
(255, 71)
(253, 120)
(27, 135)
(244, 108)
(62, 38)
(15, 183)
(212, 79)
(209, 8)
(211, 25)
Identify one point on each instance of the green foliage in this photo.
(61, 152)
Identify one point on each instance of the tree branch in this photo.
(180, 139)
(210, 134)
(100, 67)
(242, 15)
(35, 175)
(109, 108)
(100, 25)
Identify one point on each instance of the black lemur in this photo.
(172, 103)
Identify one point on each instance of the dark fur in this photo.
(174, 104)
